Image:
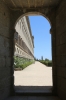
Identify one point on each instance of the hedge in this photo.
(47, 63)
(22, 62)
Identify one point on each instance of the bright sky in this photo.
(40, 27)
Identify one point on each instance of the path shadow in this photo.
(33, 90)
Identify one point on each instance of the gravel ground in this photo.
(36, 74)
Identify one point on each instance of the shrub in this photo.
(46, 62)
(22, 62)
(50, 63)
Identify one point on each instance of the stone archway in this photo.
(8, 36)
(56, 13)
(11, 17)
(27, 14)
(50, 21)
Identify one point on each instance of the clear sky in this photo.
(40, 28)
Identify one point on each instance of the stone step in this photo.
(32, 94)
(33, 98)
(33, 91)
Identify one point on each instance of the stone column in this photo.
(54, 69)
(12, 43)
(53, 41)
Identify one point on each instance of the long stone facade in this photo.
(24, 41)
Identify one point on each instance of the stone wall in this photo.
(6, 54)
(61, 49)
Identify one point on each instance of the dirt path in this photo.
(34, 75)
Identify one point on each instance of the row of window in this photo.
(19, 52)
(23, 26)
(23, 45)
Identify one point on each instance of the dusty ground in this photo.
(34, 75)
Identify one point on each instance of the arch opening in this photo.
(22, 43)
(33, 14)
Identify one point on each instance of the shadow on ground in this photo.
(33, 90)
